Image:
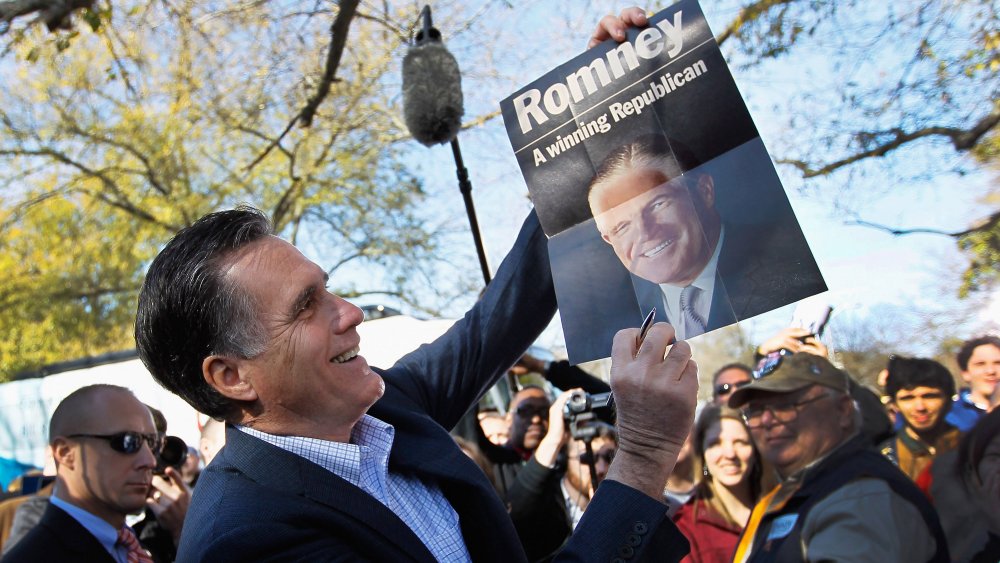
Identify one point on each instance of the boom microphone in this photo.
(432, 88)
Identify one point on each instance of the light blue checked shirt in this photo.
(364, 463)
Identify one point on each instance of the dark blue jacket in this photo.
(256, 502)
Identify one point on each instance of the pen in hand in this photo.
(644, 329)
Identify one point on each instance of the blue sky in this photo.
(865, 268)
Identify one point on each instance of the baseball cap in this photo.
(785, 372)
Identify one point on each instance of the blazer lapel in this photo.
(72, 535)
(281, 470)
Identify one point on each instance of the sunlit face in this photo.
(728, 452)
(817, 427)
(309, 380)
(922, 407)
(102, 481)
(655, 227)
(983, 371)
(529, 418)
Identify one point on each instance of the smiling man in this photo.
(979, 362)
(838, 500)
(104, 443)
(654, 201)
(327, 458)
(921, 390)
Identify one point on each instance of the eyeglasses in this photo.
(587, 458)
(782, 413)
(769, 363)
(126, 442)
(727, 388)
(531, 410)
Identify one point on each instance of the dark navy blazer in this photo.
(256, 502)
(57, 538)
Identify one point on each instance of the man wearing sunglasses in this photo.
(727, 379)
(838, 499)
(104, 444)
(578, 485)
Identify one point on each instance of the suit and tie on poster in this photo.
(654, 188)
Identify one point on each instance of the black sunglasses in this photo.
(726, 388)
(126, 442)
(587, 458)
(530, 410)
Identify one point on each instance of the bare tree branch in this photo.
(962, 139)
(985, 224)
(55, 13)
(338, 32)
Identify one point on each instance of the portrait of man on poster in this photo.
(656, 204)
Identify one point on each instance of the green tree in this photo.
(116, 134)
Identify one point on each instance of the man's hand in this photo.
(614, 27)
(556, 435)
(528, 364)
(794, 340)
(655, 397)
(169, 501)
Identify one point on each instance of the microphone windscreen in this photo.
(432, 94)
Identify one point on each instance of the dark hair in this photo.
(159, 421)
(189, 311)
(732, 365)
(648, 151)
(710, 416)
(605, 430)
(969, 346)
(909, 373)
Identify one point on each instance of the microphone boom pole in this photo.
(465, 186)
(444, 122)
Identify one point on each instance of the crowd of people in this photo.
(327, 458)
(779, 464)
(792, 459)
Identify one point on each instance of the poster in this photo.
(654, 188)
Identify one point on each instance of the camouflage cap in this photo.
(788, 373)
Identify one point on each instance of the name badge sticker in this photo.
(781, 526)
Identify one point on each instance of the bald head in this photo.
(79, 409)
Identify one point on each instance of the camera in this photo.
(579, 412)
(173, 453)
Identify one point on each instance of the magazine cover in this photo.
(654, 188)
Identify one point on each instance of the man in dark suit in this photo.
(327, 458)
(103, 442)
(655, 204)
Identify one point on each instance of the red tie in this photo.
(136, 554)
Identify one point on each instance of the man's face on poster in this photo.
(662, 230)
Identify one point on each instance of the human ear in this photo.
(224, 374)
(63, 453)
(706, 190)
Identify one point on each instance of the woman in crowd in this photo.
(730, 486)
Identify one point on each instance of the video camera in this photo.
(579, 412)
(173, 453)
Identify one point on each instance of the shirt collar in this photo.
(705, 282)
(370, 438)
